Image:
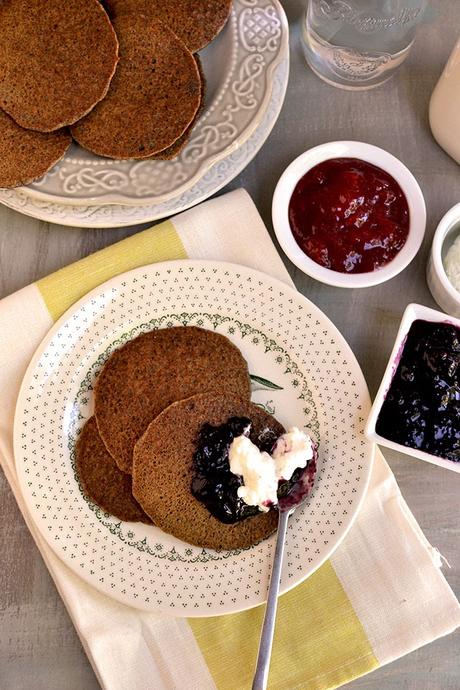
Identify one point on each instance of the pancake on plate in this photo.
(163, 472)
(153, 97)
(156, 369)
(179, 145)
(196, 23)
(25, 155)
(102, 481)
(56, 60)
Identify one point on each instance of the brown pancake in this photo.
(196, 23)
(154, 370)
(163, 471)
(152, 99)
(56, 60)
(179, 145)
(102, 481)
(25, 155)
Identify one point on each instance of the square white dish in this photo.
(411, 314)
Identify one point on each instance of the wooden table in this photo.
(39, 649)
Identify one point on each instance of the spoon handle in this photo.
(268, 628)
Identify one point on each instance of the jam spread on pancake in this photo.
(422, 407)
(214, 484)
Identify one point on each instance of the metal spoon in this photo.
(286, 507)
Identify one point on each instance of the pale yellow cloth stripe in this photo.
(316, 621)
(64, 287)
(319, 642)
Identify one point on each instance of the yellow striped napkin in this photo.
(381, 594)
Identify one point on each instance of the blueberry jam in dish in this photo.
(422, 407)
(214, 484)
(349, 215)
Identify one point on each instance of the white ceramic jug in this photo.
(445, 107)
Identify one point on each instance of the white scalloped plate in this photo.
(303, 371)
(239, 66)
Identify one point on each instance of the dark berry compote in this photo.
(422, 406)
(349, 215)
(214, 484)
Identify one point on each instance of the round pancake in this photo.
(175, 149)
(102, 481)
(163, 472)
(25, 155)
(196, 23)
(154, 370)
(152, 99)
(56, 60)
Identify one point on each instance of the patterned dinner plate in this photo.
(301, 370)
(239, 67)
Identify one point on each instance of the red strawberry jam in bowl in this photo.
(349, 214)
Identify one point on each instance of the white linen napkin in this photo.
(388, 570)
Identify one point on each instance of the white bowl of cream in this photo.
(443, 271)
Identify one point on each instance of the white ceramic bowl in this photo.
(441, 288)
(370, 154)
(412, 313)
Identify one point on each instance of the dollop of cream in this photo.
(261, 472)
(452, 264)
(260, 483)
(292, 450)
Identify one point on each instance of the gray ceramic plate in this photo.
(239, 66)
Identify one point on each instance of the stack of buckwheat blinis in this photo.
(121, 78)
(136, 458)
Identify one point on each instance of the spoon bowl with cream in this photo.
(293, 450)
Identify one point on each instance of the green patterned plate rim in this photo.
(302, 371)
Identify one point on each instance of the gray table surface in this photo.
(39, 649)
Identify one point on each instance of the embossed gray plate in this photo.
(239, 66)
(115, 215)
(302, 370)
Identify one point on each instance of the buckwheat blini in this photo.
(163, 472)
(152, 99)
(196, 23)
(56, 60)
(154, 370)
(25, 155)
(175, 149)
(102, 481)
